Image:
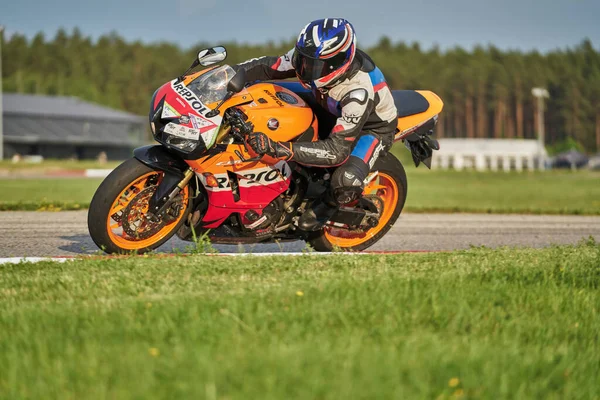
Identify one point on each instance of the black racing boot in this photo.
(314, 218)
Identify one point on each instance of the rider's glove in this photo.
(261, 144)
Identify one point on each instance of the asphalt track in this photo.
(48, 234)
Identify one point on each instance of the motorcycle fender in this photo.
(157, 157)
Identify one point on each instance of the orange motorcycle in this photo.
(200, 180)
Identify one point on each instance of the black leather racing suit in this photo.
(366, 120)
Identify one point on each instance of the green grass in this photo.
(527, 192)
(47, 194)
(493, 324)
(549, 192)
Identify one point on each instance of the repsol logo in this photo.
(256, 178)
(265, 176)
(190, 97)
(222, 182)
(274, 98)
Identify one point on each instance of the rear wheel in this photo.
(117, 218)
(390, 188)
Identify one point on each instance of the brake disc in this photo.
(134, 219)
(151, 182)
(117, 216)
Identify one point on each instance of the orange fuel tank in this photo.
(280, 113)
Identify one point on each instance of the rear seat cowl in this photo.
(409, 102)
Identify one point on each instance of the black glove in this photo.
(261, 144)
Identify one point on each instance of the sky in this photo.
(526, 25)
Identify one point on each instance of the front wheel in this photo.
(117, 218)
(390, 186)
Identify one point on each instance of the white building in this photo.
(489, 154)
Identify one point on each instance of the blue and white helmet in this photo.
(324, 51)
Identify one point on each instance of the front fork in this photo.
(167, 190)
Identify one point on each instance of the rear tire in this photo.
(388, 167)
(104, 200)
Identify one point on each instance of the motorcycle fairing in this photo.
(184, 107)
(242, 185)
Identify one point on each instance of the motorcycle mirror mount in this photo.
(235, 85)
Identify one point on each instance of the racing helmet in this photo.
(324, 52)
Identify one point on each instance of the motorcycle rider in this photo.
(346, 82)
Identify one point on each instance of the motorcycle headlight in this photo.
(182, 144)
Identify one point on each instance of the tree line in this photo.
(486, 91)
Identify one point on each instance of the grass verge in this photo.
(549, 192)
(47, 194)
(480, 323)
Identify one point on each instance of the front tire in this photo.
(391, 186)
(116, 218)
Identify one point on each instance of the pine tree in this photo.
(487, 92)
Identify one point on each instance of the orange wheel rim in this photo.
(134, 199)
(384, 187)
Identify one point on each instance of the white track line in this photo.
(97, 173)
(19, 260)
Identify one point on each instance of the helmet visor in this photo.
(311, 69)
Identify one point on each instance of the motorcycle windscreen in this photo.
(211, 87)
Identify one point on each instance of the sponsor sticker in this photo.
(182, 131)
(200, 123)
(209, 137)
(265, 176)
(169, 112)
(184, 119)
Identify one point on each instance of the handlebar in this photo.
(240, 128)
